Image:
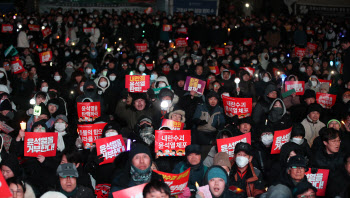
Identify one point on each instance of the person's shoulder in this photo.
(84, 192)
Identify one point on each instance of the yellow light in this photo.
(229, 29)
(57, 37)
(224, 43)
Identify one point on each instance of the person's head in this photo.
(212, 98)
(193, 154)
(267, 136)
(309, 96)
(10, 167)
(139, 101)
(226, 75)
(199, 70)
(304, 189)
(40, 97)
(68, 175)
(243, 154)
(53, 105)
(25, 74)
(177, 115)
(217, 179)
(71, 155)
(331, 140)
(298, 133)
(314, 112)
(346, 96)
(17, 187)
(334, 123)
(245, 125)
(156, 189)
(347, 162)
(345, 43)
(140, 157)
(222, 159)
(297, 167)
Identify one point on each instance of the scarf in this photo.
(60, 141)
(140, 176)
(69, 194)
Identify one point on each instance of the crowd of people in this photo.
(90, 66)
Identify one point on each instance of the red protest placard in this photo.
(310, 32)
(194, 84)
(229, 47)
(36, 144)
(172, 143)
(250, 70)
(325, 81)
(89, 30)
(17, 67)
(247, 41)
(6, 28)
(300, 52)
(176, 182)
(4, 188)
(110, 147)
(181, 42)
(298, 86)
(220, 51)
(149, 66)
(88, 111)
(89, 133)
(167, 28)
(137, 83)
(312, 46)
(102, 190)
(182, 30)
(141, 47)
(242, 107)
(228, 145)
(133, 192)
(34, 28)
(325, 100)
(318, 180)
(214, 69)
(173, 125)
(46, 32)
(198, 43)
(279, 138)
(148, 10)
(45, 56)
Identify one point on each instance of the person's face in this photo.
(181, 83)
(68, 184)
(346, 95)
(156, 194)
(345, 45)
(335, 125)
(314, 115)
(309, 101)
(226, 75)
(52, 108)
(277, 104)
(44, 84)
(16, 190)
(176, 117)
(272, 94)
(309, 193)
(6, 66)
(24, 74)
(199, 70)
(6, 172)
(176, 66)
(244, 127)
(246, 77)
(140, 104)
(194, 159)
(141, 161)
(332, 146)
(309, 71)
(297, 173)
(216, 86)
(213, 101)
(217, 186)
(39, 100)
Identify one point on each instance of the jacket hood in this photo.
(97, 84)
(309, 81)
(162, 78)
(269, 88)
(222, 73)
(283, 106)
(291, 76)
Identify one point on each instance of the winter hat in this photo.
(297, 161)
(180, 112)
(212, 94)
(325, 86)
(165, 92)
(280, 191)
(314, 107)
(63, 117)
(44, 109)
(136, 96)
(111, 125)
(42, 123)
(137, 148)
(245, 147)
(53, 194)
(267, 128)
(12, 162)
(327, 123)
(67, 170)
(222, 159)
(247, 120)
(145, 118)
(6, 105)
(217, 172)
(309, 93)
(302, 187)
(298, 130)
(54, 101)
(193, 148)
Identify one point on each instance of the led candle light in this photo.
(237, 80)
(197, 186)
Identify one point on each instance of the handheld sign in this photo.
(298, 86)
(214, 69)
(167, 28)
(249, 70)
(228, 145)
(137, 83)
(110, 147)
(133, 192)
(194, 84)
(182, 30)
(326, 100)
(5, 128)
(36, 144)
(300, 52)
(157, 90)
(34, 28)
(220, 51)
(181, 42)
(89, 30)
(312, 46)
(89, 133)
(88, 111)
(173, 125)
(279, 138)
(4, 188)
(176, 182)
(242, 107)
(141, 47)
(6, 28)
(318, 180)
(46, 32)
(171, 143)
(45, 56)
(17, 67)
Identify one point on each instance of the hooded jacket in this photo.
(97, 80)
(278, 120)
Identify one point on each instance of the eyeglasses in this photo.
(297, 167)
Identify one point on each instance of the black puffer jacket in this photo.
(327, 161)
(338, 182)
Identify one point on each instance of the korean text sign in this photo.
(17, 67)
(318, 180)
(46, 32)
(194, 84)
(176, 182)
(89, 133)
(325, 100)
(250, 70)
(173, 125)
(4, 188)
(242, 107)
(141, 47)
(181, 42)
(167, 28)
(88, 111)
(133, 192)
(110, 147)
(228, 145)
(137, 83)
(214, 69)
(299, 52)
(35, 28)
(45, 56)
(172, 142)
(298, 86)
(279, 138)
(6, 28)
(36, 144)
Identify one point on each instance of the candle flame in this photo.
(343, 122)
(197, 185)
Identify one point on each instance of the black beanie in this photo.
(298, 130)
(44, 110)
(309, 94)
(136, 96)
(166, 92)
(137, 148)
(5, 105)
(314, 107)
(12, 162)
(111, 125)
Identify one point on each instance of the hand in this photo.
(124, 94)
(20, 135)
(78, 143)
(203, 122)
(30, 111)
(238, 89)
(186, 193)
(200, 194)
(294, 94)
(40, 158)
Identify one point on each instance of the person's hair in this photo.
(17, 181)
(72, 155)
(344, 40)
(158, 186)
(330, 134)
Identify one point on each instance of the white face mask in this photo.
(170, 59)
(1, 75)
(57, 78)
(60, 127)
(112, 77)
(103, 84)
(112, 133)
(298, 141)
(154, 76)
(142, 68)
(188, 63)
(241, 161)
(77, 52)
(267, 139)
(104, 73)
(254, 62)
(82, 88)
(66, 53)
(282, 57)
(237, 62)
(346, 100)
(266, 79)
(88, 71)
(314, 83)
(44, 89)
(162, 85)
(274, 60)
(175, 56)
(302, 69)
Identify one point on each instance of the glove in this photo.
(151, 94)
(30, 111)
(202, 122)
(186, 193)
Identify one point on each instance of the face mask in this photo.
(77, 51)
(216, 27)
(66, 54)
(10, 115)
(259, 30)
(170, 59)
(57, 78)
(175, 56)
(237, 62)
(275, 114)
(44, 24)
(128, 24)
(31, 22)
(103, 84)
(82, 88)
(188, 63)
(93, 53)
(255, 62)
(44, 89)
(154, 76)
(274, 27)
(1, 75)
(241, 161)
(282, 57)
(112, 133)
(84, 25)
(137, 26)
(147, 134)
(298, 141)
(142, 68)
(302, 69)
(60, 127)
(314, 83)
(213, 55)
(40, 50)
(346, 100)
(88, 71)
(267, 139)
(274, 60)
(112, 77)
(161, 85)
(266, 79)
(146, 58)
(316, 68)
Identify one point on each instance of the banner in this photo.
(312, 46)
(194, 84)
(88, 111)
(311, 32)
(181, 42)
(182, 30)
(242, 107)
(36, 144)
(229, 47)
(214, 69)
(89, 30)
(45, 56)
(110, 147)
(176, 182)
(172, 143)
(300, 52)
(326, 100)
(133, 192)
(46, 32)
(198, 7)
(248, 42)
(17, 67)
(250, 70)
(4, 188)
(228, 145)
(89, 133)
(34, 28)
(279, 138)
(298, 86)
(220, 51)
(141, 47)
(5, 128)
(326, 81)
(173, 125)
(318, 180)
(157, 90)
(6, 28)
(102, 190)
(167, 28)
(11, 51)
(137, 83)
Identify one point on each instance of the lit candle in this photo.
(23, 125)
(197, 186)
(343, 122)
(266, 122)
(229, 29)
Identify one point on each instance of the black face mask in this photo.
(275, 114)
